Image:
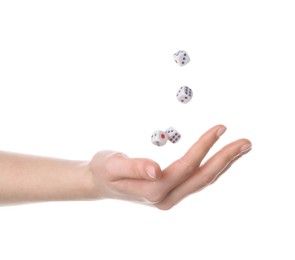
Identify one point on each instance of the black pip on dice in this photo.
(181, 58)
(173, 135)
(160, 138)
(184, 94)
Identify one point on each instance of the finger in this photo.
(223, 159)
(207, 173)
(120, 167)
(231, 163)
(194, 156)
(183, 168)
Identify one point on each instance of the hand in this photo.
(138, 179)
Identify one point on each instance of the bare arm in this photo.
(27, 178)
(109, 174)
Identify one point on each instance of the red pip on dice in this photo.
(183, 95)
(160, 138)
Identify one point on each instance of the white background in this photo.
(77, 77)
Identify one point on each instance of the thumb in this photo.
(142, 168)
(134, 168)
(152, 170)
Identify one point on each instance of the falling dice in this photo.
(173, 135)
(184, 94)
(159, 138)
(181, 58)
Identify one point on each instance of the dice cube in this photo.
(184, 94)
(181, 58)
(159, 138)
(173, 135)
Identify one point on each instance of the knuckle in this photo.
(204, 146)
(229, 157)
(208, 179)
(154, 197)
(165, 206)
(185, 165)
(169, 203)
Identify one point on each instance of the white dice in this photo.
(181, 58)
(184, 94)
(173, 135)
(159, 138)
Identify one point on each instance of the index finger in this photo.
(184, 167)
(195, 155)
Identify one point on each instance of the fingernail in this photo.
(150, 170)
(245, 147)
(221, 131)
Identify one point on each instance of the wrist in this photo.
(88, 187)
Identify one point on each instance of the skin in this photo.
(113, 175)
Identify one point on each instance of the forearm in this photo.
(26, 178)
